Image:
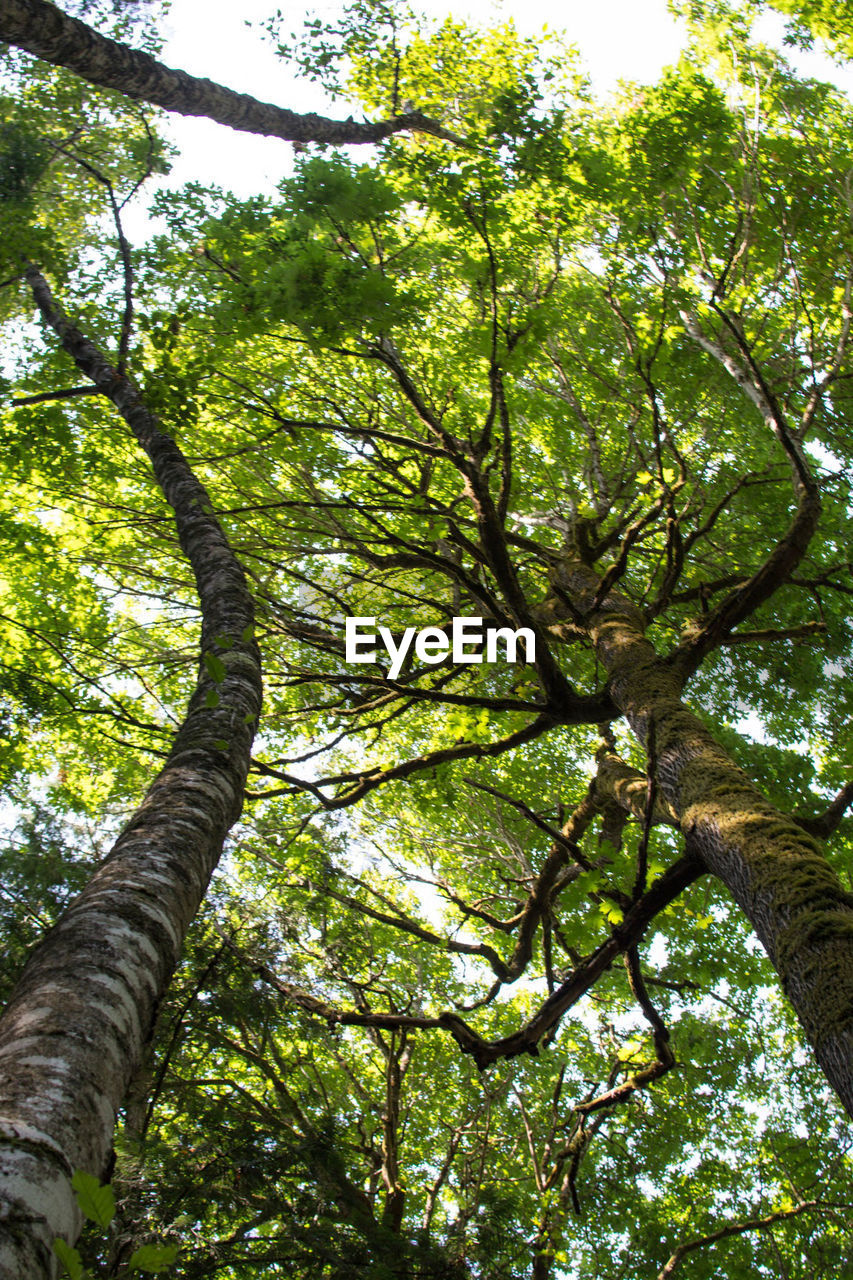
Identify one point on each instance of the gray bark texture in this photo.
(775, 870)
(45, 31)
(77, 1022)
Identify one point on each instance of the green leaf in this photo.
(630, 1051)
(96, 1199)
(215, 667)
(612, 914)
(558, 253)
(69, 1257)
(153, 1257)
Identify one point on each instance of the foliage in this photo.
(416, 388)
(97, 1204)
(808, 20)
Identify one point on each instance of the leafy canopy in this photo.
(417, 387)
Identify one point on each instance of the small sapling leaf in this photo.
(95, 1199)
(153, 1257)
(70, 1258)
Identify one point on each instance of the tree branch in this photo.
(825, 823)
(790, 549)
(733, 1229)
(48, 33)
(68, 394)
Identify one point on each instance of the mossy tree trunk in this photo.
(775, 870)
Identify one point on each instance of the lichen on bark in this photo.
(776, 872)
(75, 1026)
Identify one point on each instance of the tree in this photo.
(808, 19)
(583, 377)
(42, 29)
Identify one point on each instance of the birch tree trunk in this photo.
(77, 1021)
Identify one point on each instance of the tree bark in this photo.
(41, 29)
(776, 871)
(77, 1021)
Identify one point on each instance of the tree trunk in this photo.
(776, 872)
(77, 1021)
(43, 30)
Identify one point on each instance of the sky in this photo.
(618, 39)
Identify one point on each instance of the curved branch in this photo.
(791, 548)
(733, 1229)
(824, 824)
(368, 781)
(637, 919)
(664, 1061)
